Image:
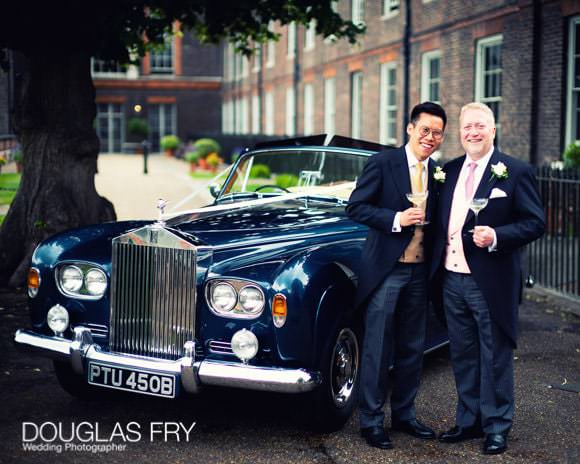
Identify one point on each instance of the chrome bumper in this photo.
(193, 374)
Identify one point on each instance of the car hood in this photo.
(281, 220)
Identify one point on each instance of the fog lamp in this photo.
(57, 319)
(244, 345)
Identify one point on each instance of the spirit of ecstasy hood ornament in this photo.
(161, 204)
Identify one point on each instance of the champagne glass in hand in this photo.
(476, 205)
(418, 199)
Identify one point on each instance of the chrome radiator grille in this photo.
(152, 299)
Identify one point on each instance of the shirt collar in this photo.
(412, 159)
(482, 162)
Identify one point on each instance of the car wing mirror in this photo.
(214, 190)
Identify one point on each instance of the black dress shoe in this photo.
(377, 437)
(495, 443)
(414, 428)
(457, 434)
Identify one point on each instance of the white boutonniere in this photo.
(439, 174)
(499, 170)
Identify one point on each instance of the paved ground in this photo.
(246, 427)
(134, 194)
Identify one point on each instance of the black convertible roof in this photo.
(319, 140)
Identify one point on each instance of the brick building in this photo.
(177, 90)
(519, 56)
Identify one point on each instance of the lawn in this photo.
(8, 186)
(203, 174)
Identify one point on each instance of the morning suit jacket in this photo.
(378, 196)
(518, 218)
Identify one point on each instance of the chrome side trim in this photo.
(193, 374)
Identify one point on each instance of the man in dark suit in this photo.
(480, 274)
(392, 280)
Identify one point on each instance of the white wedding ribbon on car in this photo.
(319, 191)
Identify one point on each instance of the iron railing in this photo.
(554, 259)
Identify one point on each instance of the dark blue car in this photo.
(254, 291)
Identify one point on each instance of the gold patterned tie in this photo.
(418, 178)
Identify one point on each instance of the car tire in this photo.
(75, 384)
(335, 399)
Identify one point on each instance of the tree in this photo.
(56, 109)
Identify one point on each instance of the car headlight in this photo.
(244, 345)
(57, 319)
(235, 298)
(251, 299)
(81, 280)
(71, 279)
(95, 282)
(223, 297)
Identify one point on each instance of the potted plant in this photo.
(213, 161)
(169, 144)
(3, 161)
(192, 157)
(204, 147)
(18, 160)
(138, 130)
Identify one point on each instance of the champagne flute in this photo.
(476, 205)
(418, 199)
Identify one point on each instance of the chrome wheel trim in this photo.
(344, 365)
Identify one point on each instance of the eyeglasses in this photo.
(425, 131)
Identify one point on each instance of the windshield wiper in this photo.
(339, 201)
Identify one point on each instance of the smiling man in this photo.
(480, 276)
(392, 279)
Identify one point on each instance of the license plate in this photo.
(133, 380)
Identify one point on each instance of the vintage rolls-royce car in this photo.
(254, 291)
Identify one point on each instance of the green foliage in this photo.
(572, 155)
(169, 142)
(17, 156)
(260, 171)
(126, 30)
(206, 146)
(138, 127)
(286, 180)
(213, 159)
(192, 156)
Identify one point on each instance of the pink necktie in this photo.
(470, 181)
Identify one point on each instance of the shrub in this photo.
(286, 180)
(17, 156)
(138, 127)
(260, 171)
(192, 156)
(572, 155)
(213, 159)
(170, 142)
(206, 146)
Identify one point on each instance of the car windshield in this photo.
(311, 172)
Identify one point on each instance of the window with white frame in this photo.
(256, 114)
(389, 8)
(329, 105)
(110, 127)
(229, 57)
(431, 76)
(271, 54)
(291, 43)
(573, 90)
(161, 59)
(269, 113)
(162, 120)
(358, 11)
(388, 104)
(228, 117)
(290, 111)
(356, 104)
(310, 35)
(244, 116)
(257, 59)
(488, 77)
(108, 68)
(308, 109)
